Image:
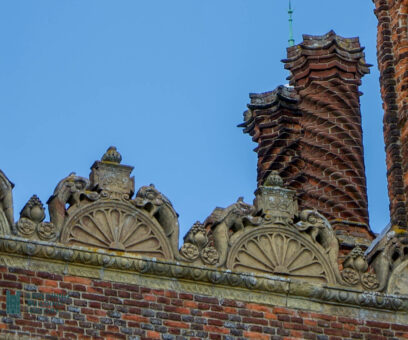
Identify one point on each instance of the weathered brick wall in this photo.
(95, 309)
(392, 54)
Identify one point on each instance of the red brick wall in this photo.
(392, 54)
(94, 309)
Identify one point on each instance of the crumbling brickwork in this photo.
(97, 309)
(392, 53)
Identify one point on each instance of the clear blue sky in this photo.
(167, 83)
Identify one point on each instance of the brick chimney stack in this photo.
(273, 121)
(311, 132)
(392, 54)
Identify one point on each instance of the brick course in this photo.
(163, 314)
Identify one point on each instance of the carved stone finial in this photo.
(196, 236)
(33, 210)
(112, 156)
(274, 180)
(356, 271)
(110, 178)
(197, 243)
(31, 225)
(274, 202)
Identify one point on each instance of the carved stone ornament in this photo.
(71, 191)
(159, 208)
(33, 210)
(210, 255)
(25, 227)
(398, 283)
(197, 235)
(388, 255)
(351, 276)
(47, 231)
(356, 271)
(198, 244)
(111, 179)
(280, 251)
(190, 251)
(275, 203)
(31, 225)
(116, 226)
(269, 237)
(6, 205)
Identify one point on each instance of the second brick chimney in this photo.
(310, 131)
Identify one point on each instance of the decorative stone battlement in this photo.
(98, 221)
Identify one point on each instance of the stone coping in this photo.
(268, 289)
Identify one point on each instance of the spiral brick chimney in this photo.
(310, 131)
(392, 54)
(273, 121)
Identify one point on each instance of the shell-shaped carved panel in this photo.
(116, 226)
(398, 282)
(280, 251)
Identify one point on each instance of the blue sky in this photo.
(167, 83)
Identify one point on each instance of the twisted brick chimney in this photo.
(273, 121)
(392, 54)
(311, 132)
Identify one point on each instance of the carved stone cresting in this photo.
(6, 205)
(99, 212)
(269, 237)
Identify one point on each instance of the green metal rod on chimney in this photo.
(290, 12)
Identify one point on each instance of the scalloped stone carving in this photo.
(282, 252)
(398, 283)
(116, 226)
